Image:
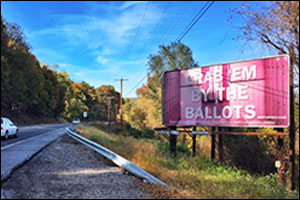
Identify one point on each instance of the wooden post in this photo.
(292, 129)
(109, 109)
(184, 139)
(194, 143)
(121, 102)
(281, 159)
(220, 146)
(213, 144)
(121, 105)
(173, 141)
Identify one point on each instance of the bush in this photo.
(149, 134)
(164, 147)
(135, 133)
(116, 130)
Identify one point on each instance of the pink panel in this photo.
(171, 96)
(248, 93)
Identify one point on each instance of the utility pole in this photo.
(121, 102)
(109, 109)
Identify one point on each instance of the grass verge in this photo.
(194, 177)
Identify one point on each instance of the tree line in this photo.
(32, 88)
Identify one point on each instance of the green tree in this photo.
(50, 95)
(103, 93)
(135, 115)
(171, 57)
(74, 108)
(5, 86)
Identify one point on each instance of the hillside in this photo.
(26, 119)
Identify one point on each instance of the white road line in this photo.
(11, 145)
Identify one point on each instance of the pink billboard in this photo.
(253, 93)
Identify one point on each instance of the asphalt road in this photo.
(27, 132)
(31, 139)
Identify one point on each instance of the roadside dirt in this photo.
(69, 170)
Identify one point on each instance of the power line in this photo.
(167, 30)
(142, 20)
(137, 84)
(156, 26)
(182, 35)
(176, 20)
(152, 38)
(192, 20)
(180, 38)
(136, 34)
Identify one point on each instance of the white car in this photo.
(8, 128)
(76, 121)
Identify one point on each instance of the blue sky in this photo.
(93, 41)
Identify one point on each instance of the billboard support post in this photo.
(292, 129)
(213, 143)
(173, 141)
(281, 167)
(194, 142)
(220, 147)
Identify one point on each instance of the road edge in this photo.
(117, 159)
(8, 173)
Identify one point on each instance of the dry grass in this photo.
(192, 177)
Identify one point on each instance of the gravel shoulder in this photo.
(67, 169)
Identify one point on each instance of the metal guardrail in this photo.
(117, 159)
